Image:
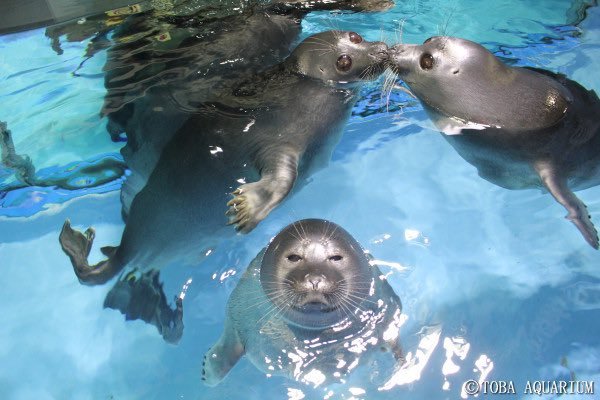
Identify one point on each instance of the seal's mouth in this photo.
(314, 306)
(314, 301)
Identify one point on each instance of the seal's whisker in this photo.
(299, 238)
(258, 304)
(444, 30)
(350, 278)
(264, 301)
(390, 78)
(340, 302)
(333, 231)
(303, 230)
(350, 304)
(320, 41)
(364, 73)
(276, 307)
(324, 233)
(321, 50)
(361, 298)
(295, 226)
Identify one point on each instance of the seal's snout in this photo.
(315, 280)
(399, 58)
(379, 52)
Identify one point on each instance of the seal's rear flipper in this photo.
(77, 246)
(557, 186)
(222, 356)
(141, 296)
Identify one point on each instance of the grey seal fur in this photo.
(310, 301)
(253, 141)
(521, 127)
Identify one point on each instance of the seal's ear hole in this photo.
(456, 71)
(337, 257)
(428, 40)
(426, 61)
(294, 258)
(344, 62)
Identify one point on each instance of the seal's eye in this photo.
(336, 258)
(355, 37)
(426, 61)
(294, 258)
(344, 63)
(428, 40)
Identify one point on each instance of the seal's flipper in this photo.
(24, 169)
(253, 201)
(222, 356)
(77, 246)
(109, 251)
(141, 296)
(578, 214)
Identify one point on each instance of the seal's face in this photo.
(315, 274)
(461, 79)
(443, 68)
(339, 56)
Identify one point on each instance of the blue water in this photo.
(492, 281)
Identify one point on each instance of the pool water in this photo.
(495, 284)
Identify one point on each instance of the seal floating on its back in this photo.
(521, 127)
(310, 301)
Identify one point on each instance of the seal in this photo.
(254, 142)
(521, 127)
(310, 304)
(202, 49)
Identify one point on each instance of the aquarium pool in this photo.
(496, 285)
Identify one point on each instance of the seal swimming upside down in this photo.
(521, 127)
(310, 303)
(254, 141)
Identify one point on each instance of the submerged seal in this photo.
(253, 141)
(310, 304)
(521, 127)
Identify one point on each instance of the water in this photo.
(496, 272)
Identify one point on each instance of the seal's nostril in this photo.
(314, 280)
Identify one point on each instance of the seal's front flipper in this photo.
(222, 356)
(24, 169)
(578, 214)
(254, 201)
(141, 296)
(77, 246)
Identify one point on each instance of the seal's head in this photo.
(316, 274)
(339, 56)
(462, 79)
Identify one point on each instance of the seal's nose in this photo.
(379, 51)
(400, 59)
(314, 280)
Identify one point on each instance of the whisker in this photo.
(295, 225)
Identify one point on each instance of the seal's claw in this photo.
(246, 209)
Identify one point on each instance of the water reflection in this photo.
(521, 127)
(310, 307)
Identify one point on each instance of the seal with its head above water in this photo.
(311, 301)
(255, 142)
(521, 127)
